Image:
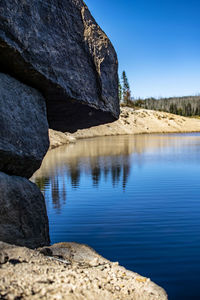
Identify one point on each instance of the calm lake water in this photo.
(135, 199)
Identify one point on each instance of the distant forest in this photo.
(184, 106)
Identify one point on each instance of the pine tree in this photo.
(125, 88)
(119, 90)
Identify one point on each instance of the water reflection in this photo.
(56, 188)
(106, 158)
(115, 168)
(135, 199)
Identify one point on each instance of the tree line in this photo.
(184, 106)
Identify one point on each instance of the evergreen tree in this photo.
(125, 88)
(188, 109)
(119, 90)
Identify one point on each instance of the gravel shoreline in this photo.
(69, 271)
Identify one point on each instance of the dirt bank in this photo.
(131, 122)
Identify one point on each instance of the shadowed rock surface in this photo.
(23, 217)
(57, 47)
(24, 128)
(69, 271)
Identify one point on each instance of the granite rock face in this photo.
(24, 128)
(23, 217)
(57, 47)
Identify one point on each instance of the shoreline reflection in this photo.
(106, 158)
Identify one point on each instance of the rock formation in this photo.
(24, 128)
(23, 217)
(52, 55)
(57, 47)
(23, 144)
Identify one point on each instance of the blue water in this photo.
(135, 199)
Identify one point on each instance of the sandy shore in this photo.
(69, 271)
(131, 122)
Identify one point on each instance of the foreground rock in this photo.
(23, 217)
(58, 48)
(69, 271)
(24, 129)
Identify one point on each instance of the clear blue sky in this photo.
(157, 42)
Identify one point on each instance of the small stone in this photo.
(46, 251)
(3, 257)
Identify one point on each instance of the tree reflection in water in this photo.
(74, 173)
(54, 186)
(106, 159)
(115, 168)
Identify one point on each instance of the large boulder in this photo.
(23, 217)
(57, 47)
(24, 128)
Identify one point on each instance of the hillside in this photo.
(131, 122)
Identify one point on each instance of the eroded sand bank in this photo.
(131, 122)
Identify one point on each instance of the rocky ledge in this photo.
(69, 271)
(59, 49)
